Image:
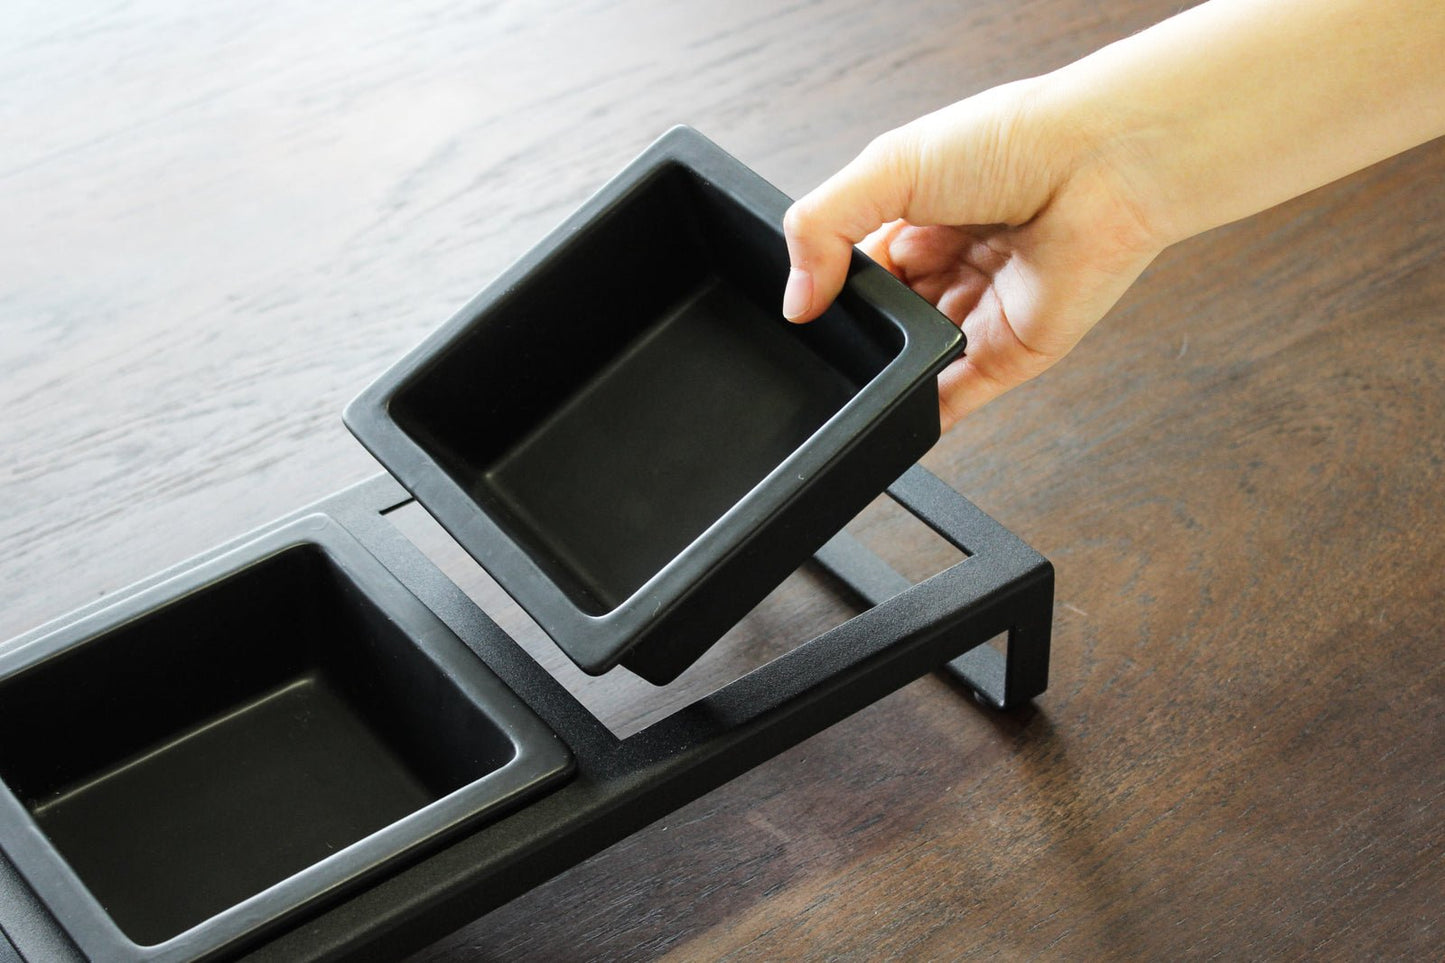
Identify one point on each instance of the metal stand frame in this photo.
(621, 785)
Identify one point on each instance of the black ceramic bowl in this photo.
(197, 762)
(623, 430)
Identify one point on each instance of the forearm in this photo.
(1237, 105)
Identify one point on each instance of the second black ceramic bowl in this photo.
(204, 759)
(623, 430)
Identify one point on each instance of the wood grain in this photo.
(220, 221)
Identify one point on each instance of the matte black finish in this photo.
(622, 785)
(286, 751)
(203, 759)
(624, 431)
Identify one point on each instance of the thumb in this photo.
(822, 227)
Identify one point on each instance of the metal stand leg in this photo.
(1010, 678)
(1003, 680)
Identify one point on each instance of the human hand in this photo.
(1012, 219)
(1025, 212)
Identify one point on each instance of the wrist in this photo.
(1111, 153)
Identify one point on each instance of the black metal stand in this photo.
(621, 785)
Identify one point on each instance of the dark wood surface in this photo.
(218, 222)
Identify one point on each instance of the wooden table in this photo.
(218, 223)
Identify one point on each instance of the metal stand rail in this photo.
(621, 785)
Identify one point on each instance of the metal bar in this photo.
(622, 785)
(1002, 679)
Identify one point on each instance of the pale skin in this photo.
(1025, 212)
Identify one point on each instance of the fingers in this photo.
(962, 389)
(977, 378)
(994, 361)
(879, 247)
(822, 227)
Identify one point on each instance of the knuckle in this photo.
(885, 146)
(891, 163)
(798, 219)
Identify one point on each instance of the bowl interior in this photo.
(192, 757)
(637, 385)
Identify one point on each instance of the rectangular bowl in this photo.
(192, 765)
(623, 430)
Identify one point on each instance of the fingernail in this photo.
(798, 294)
